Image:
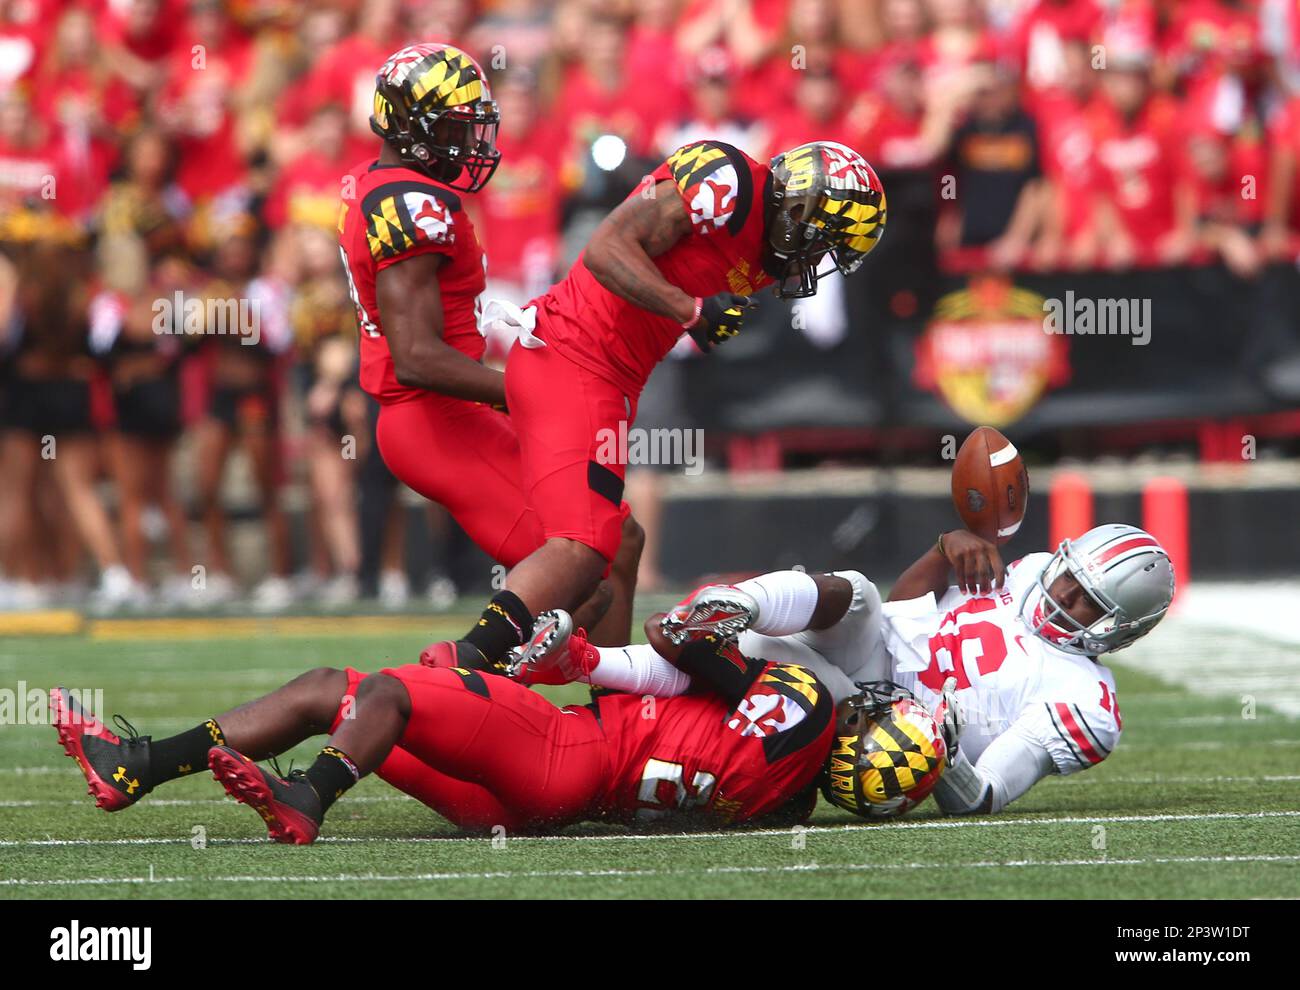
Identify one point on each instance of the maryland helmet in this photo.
(824, 199)
(1126, 572)
(433, 107)
(887, 755)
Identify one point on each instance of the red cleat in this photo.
(556, 654)
(290, 807)
(721, 610)
(115, 768)
(454, 653)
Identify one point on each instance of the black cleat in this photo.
(116, 769)
(289, 806)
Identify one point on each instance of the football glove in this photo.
(720, 319)
(949, 718)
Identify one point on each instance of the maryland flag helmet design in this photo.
(888, 753)
(825, 200)
(434, 108)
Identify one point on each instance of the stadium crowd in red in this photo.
(155, 147)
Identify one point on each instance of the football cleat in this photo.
(716, 609)
(116, 769)
(457, 653)
(289, 806)
(556, 654)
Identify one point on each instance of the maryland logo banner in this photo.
(986, 353)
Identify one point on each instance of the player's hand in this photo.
(948, 716)
(976, 562)
(720, 319)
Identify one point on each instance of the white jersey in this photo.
(1006, 676)
(1047, 710)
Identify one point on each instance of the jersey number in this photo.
(363, 318)
(663, 790)
(1110, 703)
(957, 644)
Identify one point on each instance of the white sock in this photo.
(637, 670)
(786, 601)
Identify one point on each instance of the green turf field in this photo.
(1197, 802)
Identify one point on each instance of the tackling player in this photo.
(415, 270)
(683, 254)
(1010, 663)
(482, 750)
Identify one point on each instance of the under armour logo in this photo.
(121, 778)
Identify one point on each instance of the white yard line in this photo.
(625, 873)
(652, 837)
(402, 798)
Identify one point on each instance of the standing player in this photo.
(484, 751)
(1012, 670)
(684, 253)
(416, 270)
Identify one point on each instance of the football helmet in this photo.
(824, 199)
(887, 755)
(1126, 572)
(433, 107)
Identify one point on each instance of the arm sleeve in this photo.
(1048, 737)
(721, 667)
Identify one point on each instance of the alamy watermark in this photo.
(184, 315)
(1081, 316)
(658, 446)
(31, 706)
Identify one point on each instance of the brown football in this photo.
(990, 486)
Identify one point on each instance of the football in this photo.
(990, 486)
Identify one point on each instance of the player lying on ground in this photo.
(1012, 663)
(682, 254)
(483, 750)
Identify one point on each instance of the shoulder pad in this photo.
(715, 181)
(406, 214)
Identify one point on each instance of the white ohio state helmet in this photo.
(1127, 573)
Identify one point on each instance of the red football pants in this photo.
(482, 750)
(565, 417)
(465, 456)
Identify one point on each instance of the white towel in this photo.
(501, 316)
(907, 627)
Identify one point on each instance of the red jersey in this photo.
(1065, 137)
(736, 755)
(1139, 165)
(306, 191)
(395, 213)
(520, 209)
(1285, 134)
(210, 161)
(724, 190)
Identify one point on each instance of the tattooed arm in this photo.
(621, 250)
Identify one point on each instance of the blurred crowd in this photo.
(159, 150)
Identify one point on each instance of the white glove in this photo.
(949, 718)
